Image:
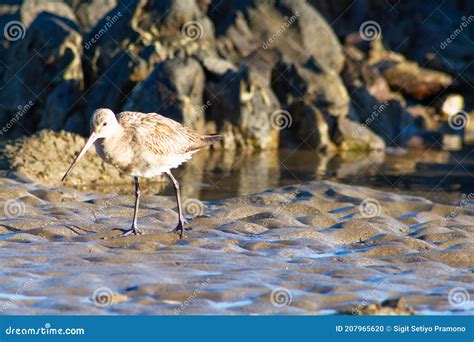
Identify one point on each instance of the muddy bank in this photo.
(317, 248)
(45, 157)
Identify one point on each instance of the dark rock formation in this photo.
(88, 13)
(135, 25)
(289, 26)
(244, 106)
(263, 73)
(44, 68)
(30, 9)
(355, 136)
(175, 89)
(322, 88)
(310, 126)
(416, 82)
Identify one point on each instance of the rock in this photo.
(45, 156)
(245, 107)
(30, 9)
(115, 83)
(449, 45)
(416, 82)
(45, 69)
(8, 14)
(288, 26)
(89, 13)
(355, 136)
(315, 98)
(135, 25)
(324, 89)
(358, 72)
(402, 76)
(17, 15)
(469, 129)
(450, 104)
(373, 103)
(113, 86)
(388, 119)
(396, 306)
(111, 35)
(310, 126)
(452, 142)
(216, 66)
(302, 72)
(425, 117)
(174, 89)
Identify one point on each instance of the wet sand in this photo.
(317, 248)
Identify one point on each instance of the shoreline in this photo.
(331, 250)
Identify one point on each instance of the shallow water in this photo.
(441, 176)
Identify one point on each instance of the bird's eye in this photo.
(104, 124)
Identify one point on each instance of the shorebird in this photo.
(143, 145)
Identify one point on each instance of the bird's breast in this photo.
(115, 152)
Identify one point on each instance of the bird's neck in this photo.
(117, 132)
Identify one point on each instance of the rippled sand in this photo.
(313, 245)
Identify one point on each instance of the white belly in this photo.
(152, 166)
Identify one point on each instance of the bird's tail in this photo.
(206, 140)
(211, 139)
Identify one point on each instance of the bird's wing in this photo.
(159, 134)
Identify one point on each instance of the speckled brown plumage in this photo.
(143, 145)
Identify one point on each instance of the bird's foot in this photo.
(134, 230)
(179, 229)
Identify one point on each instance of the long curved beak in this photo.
(90, 141)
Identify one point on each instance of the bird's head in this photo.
(104, 124)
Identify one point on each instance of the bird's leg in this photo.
(134, 229)
(180, 227)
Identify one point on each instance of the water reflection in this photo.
(437, 175)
